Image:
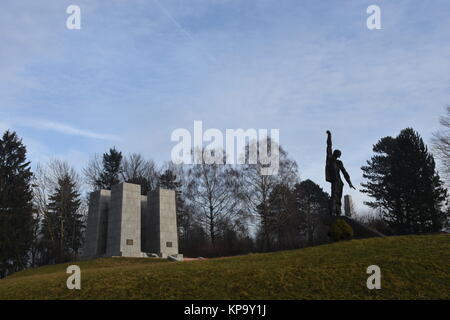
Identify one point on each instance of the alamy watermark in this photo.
(236, 146)
(74, 280)
(373, 22)
(73, 22)
(374, 280)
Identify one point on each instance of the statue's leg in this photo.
(339, 187)
(333, 199)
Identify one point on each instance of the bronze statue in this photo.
(332, 174)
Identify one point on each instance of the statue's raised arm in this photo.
(329, 174)
(329, 144)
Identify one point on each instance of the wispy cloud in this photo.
(187, 33)
(66, 129)
(148, 67)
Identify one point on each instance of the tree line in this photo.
(221, 209)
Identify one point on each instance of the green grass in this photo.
(412, 267)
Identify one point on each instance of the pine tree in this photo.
(112, 165)
(405, 185)
(169, 180)
(312, 205)
(282, 220)
(16, 216)
(63, 225)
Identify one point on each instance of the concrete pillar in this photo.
(97, 224)
(162, 232)
(152, 223)
(144, 222)
(124, 223)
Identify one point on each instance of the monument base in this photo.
(360, 231)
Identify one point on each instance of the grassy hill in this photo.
(413, 267)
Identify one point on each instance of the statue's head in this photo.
(337, 153)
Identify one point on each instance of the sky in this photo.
(139, 69)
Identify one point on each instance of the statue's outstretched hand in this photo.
(351, 186)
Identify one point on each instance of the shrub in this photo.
(340, 230)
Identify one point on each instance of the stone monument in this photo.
(333, 168)
(122, 222)
(162, 233)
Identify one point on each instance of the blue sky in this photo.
(139, 69)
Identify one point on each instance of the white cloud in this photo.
(300, 67)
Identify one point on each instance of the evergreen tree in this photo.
(169, 180)
(282, 220)
(112, 166)
(405, 185)
(16, 216)
(63, 224)
(312, 205)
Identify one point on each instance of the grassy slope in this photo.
(413, 267)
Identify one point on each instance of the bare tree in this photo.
(441, 145)
(213, 192)
(92, 171)
(58, 169)
(136, 169)
(47, 179)
(41, 191)
(257, 187)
